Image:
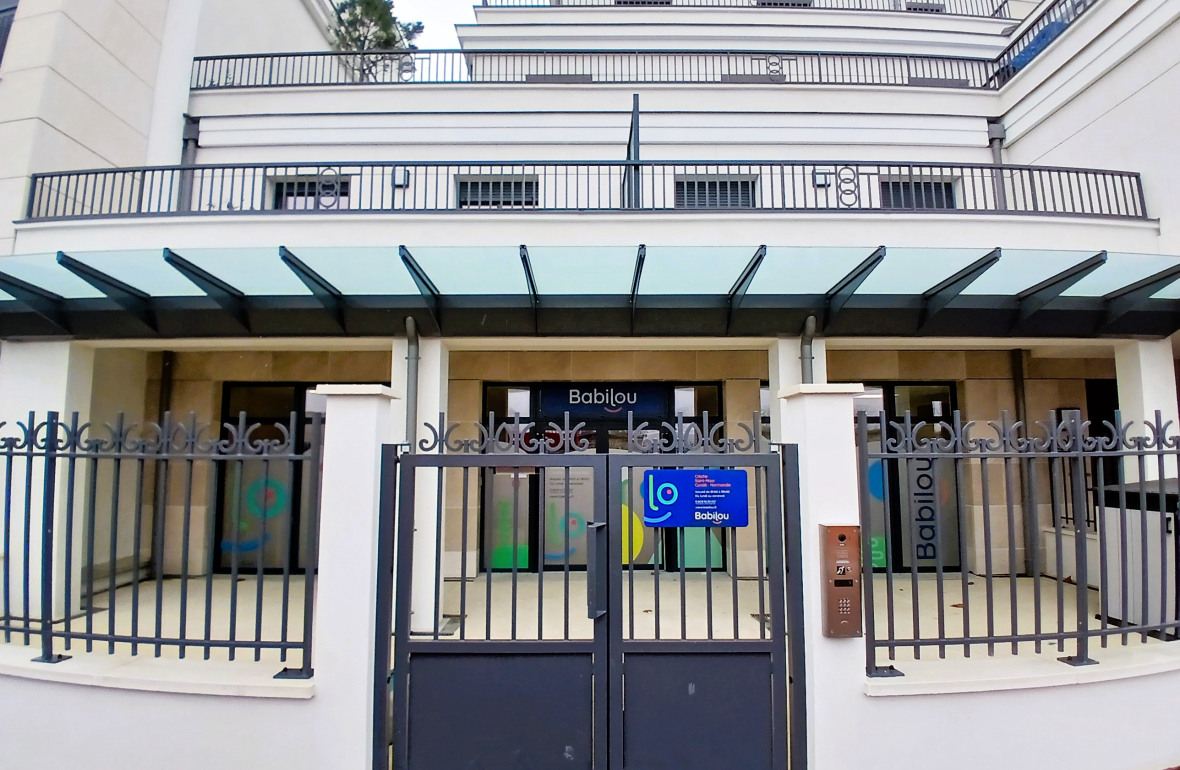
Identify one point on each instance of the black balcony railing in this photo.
(1037, 36)
(993, 8)
(586, 186)
(408, 67)
(574, 67)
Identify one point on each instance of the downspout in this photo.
(806, 354)
(995, 139)
(412, 359)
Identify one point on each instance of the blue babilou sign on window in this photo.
(696, 498)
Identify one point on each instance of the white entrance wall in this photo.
(1146, 373)
(39, 377)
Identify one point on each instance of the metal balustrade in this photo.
(177, 539)
(986, 537)
(992, 8)
(585, 186)
(375, 68)
(409, 67)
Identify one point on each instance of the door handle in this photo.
(595, 560)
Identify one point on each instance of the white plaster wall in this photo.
(259, 26)
(75, 90)
(607, 229)
(779, 29)
(1121, 119)
(56, 725)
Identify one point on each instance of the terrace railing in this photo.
(374, 68)
(981, 537)
(585, 186)
(408, 67)
(170, 538)
(993, 8)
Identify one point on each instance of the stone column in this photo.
(819, 419)
(1146, 375)
(356, 425)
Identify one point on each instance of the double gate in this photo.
(539, 622)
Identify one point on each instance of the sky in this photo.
(440, 18)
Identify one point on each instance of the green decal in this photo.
(880, 557)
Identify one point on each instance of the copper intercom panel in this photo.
(841, 581)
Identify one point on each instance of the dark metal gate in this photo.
(578, 636)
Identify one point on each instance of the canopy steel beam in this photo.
(1036, 297)
(838, 296)
(742, 285)
(228, 298)
(637, 276)
(426, 287)
(131, 299)
(328, 295)
(44, 303)
(936, 298)
(531, 281)
(1129, 298)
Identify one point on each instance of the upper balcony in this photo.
(995, 9)
(615, 63)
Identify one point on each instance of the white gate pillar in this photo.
(356, 424)
(41, 377)
(819, 419)
(1146, 373)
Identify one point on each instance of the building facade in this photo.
(603, 221)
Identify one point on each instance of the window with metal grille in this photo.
(7, 14)
(917, 194)
(311, 193)
(716, 192)
(498, 192)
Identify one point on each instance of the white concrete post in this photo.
(357, 423)
(1146, 375)
(41, 377)
(173, 77)
(819, 419)
(786, 372)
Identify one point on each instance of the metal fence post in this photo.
(47, 522)
(1080, 506)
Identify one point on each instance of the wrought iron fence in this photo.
(416, 67)
(169, 537)
(586, 186)
(966, 542)
(993, 8)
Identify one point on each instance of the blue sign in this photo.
(700, 498)
(604, 400)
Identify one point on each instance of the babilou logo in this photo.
(658, 497)
(609, 399)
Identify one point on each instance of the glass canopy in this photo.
(585, 271)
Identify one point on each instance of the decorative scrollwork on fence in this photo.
(184, 438)
(1059, 434)
(519, 436)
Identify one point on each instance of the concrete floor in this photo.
(542, 612)
(118, 613)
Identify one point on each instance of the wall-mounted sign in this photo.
(604, 400)
(695, 498)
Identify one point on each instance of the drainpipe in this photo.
(188, 157)
(412, 359)
(806, 356)
(995, 139)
